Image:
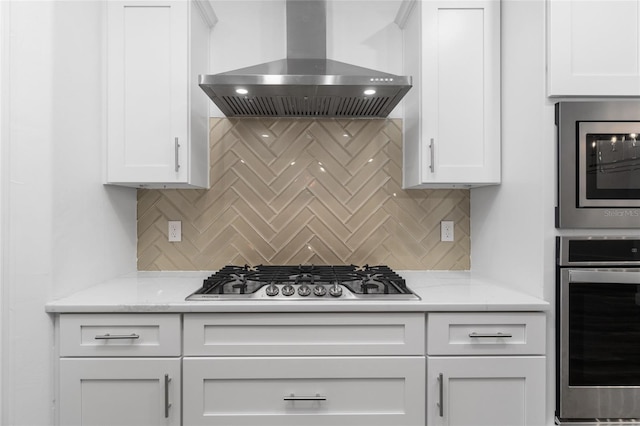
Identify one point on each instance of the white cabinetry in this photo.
(104, 378)
(486, 369)
(264, 369)
(157, 126)
(312, 369)
(486, 391)
(593, 48)
(119, 391)
(452, 113)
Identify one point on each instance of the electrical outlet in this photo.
(446, 230)
(175, 231)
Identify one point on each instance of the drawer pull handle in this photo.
(293, 397)
(440, 403)
(490, 335)
(108, 336)
(167, 404)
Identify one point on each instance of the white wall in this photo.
(66, 231)
(512, 225)
(248, 32)
(3, 201)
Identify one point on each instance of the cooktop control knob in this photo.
(304, 290)
(288, 290)
(335, 290)
(272, 290)
(319, 290)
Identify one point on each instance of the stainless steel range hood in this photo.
(306, 83)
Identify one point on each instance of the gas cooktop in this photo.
(304, 282)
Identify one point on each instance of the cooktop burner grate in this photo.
(311, 282)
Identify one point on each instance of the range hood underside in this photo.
(304, 101)
(310, 88)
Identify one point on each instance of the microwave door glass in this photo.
(610, 165)
(613, 164)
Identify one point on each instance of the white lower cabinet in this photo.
(119, 392)
(120, 370)
(486, 391)
(309, 391)
(302, 369)
(486, 369)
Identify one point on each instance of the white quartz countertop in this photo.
(166, 292)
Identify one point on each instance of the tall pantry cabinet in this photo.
(452, 113)
(157, 116)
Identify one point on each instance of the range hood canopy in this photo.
(306, 83)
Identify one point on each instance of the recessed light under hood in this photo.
(306, 83)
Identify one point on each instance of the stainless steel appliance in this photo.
(305, 83)
(598, 330)
(304, 282)
(598, 164)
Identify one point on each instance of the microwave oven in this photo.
(598, 164)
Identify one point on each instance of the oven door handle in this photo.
(603, 276)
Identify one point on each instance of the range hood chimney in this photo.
(306, 83)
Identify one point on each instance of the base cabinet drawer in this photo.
(309, 391)
(277, 334)
(494, 333)
(130, 335)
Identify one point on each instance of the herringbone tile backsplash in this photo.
(302, 191)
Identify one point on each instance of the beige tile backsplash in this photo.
(301, 191)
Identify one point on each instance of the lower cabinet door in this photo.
(486, 391)
(120, 392)
(304, 391)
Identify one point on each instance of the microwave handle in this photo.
(601, 276)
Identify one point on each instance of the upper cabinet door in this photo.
(152, 139)
(593, 48)
(452, 114)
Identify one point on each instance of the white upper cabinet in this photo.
(593, 48)
(157, 127)
(452, 113)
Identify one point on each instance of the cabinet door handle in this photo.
(177, 156)
(166, 396)
(489, 335)
(432, 150)
(440, 395)
(293, 397)
(108, 336)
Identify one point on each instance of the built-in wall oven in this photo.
(598, 330)
(598, 164)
